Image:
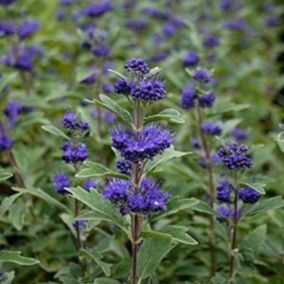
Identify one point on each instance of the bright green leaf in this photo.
(153, 250)
(15, 257)
(178, 233)
(7, 202)
(54, 130)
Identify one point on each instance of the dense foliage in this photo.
(141, 142)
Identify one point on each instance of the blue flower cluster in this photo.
(11, 113)
(148, 143)
(146, 199)
(137, 65)
(74, 153)
(224, 191)
(143, 87)
(249, 195)
(235, 156)
(23, 59)
(190, 59)
(71, 122)
(211, 128)
(61, 181)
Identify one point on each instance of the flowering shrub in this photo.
(141, 141)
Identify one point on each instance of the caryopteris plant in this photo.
(140, 145)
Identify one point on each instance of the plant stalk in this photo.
(136, 221)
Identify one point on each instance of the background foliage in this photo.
(37, 232)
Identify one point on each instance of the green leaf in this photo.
(264, 205)
(169, 114)
(259, 187)
(83, 73)
(105, 281)
(6, 80)
(7, 202)
(103, 208)
(93, 169)
(54, 130)
(228, 107)
(4, 175)
(218, 279)
(168, 155)
(203, 207)
(280, 141)
(179, 234)
(177, 204)
(117, 73)
(96, 256)
(15, 257)
(42, 195)
(8, 277)
(114, 107)
(153, 250)
(255, 239)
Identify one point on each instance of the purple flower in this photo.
(7, 29)
(108, 116)
(249, 195)
(211, 128)
(224, 190)
(61, 182)
(137, 65)
(239, 134)
(102, 50)
(6, 2)
(225, 5)
(90, 184)
(27, 29)
(6, 143)
(188, 97)
(117, 190)
(158, 57)
(206, 100)
(122, 86)
(24, 59)
(124, 167)
(195, 143)
(151, 141)
(74, 153)
(156, 13)
(89, 80)
(202, 75)
(272, 21)
(234, 156)
(190, 59)
(146, 199)
(107, 88)
(70, 121)
(169, 29)
(211, 41)
(60, 15)
(12, 111)
(66, 2)
(97, 10)
(136, 24)
(80, 224)
(237, 25)
(223, 212)
(151, 90)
